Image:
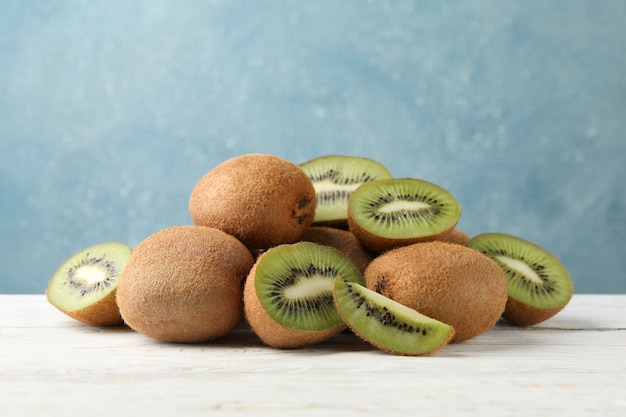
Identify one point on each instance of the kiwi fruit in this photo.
(334, 178)
(84, 285)
(445, 281)
(342, 240)
(184, 284)
(457, 236)
(539, 285)
(384, 214)
(262, 200)
(288, 294)
(388, 324)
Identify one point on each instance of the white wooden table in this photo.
(571, 365)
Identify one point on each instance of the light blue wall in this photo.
(111, 111)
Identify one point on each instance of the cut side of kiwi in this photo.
(334, 178)
(539, 285)
(395, 212)
(83, 287)
(388, 324)
(294, 284)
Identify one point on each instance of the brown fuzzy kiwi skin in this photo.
(342, 240)
(104, 313)
(263, 200)
(379, 244)
(446, 281)
(457, 236)
(184, 284)
(271, 332)
(521, 314)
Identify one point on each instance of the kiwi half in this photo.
(288, 295)
(387, 324)
(84, 285)
(334, 178)
(539, 285)
(396, 212)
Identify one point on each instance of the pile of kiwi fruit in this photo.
(302, 252)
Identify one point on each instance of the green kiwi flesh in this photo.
(294, 284)
(536, 278)
(388, 324)
(334, 178)
(87, 278)
(399, 211)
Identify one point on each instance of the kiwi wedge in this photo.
(388, 324)
(539, 285)
(384, 214)
(84, 285)
(334, 178)
(288, 295)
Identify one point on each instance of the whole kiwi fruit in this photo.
(457, 236)
(342, 240)
(84, 285)
(184, 284)
(263, 200)
(445, 281)
(539, 284)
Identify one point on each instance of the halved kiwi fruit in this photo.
(384, 214)
(84, 285)
(334, 178)
(539, 285)
(288, 295)
(387, 324)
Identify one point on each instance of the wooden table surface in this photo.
(573, 364)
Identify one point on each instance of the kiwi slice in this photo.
(396, 212)
(539, 285)
(84, 286)
(387, 324)
(334, 178)
(294, 284)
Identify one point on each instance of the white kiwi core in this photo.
(520, 267)
(324, 186)
(396, 206)
(306, 287)
(90, 274)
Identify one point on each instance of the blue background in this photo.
(111, 111)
